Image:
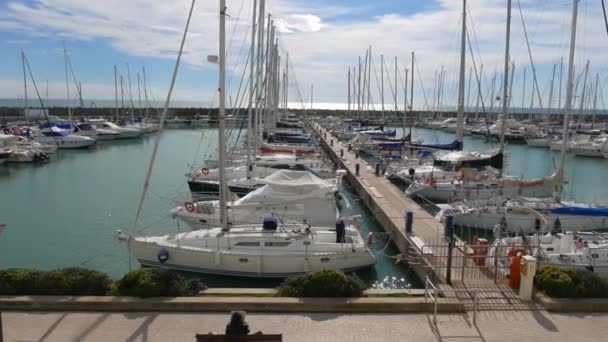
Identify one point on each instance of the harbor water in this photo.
(65, 212)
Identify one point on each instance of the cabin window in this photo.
(324, 259)
(550, 249)
(243, 260)
(248, 244)
(277, 244)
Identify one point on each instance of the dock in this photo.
(425, 249)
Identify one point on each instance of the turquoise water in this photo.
(585, 176)
(65, 212)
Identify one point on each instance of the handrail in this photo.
(428, 284)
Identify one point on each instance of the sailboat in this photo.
(267, 249)
(473, 184)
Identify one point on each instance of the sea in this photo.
(66, 212)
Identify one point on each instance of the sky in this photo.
(322, 37)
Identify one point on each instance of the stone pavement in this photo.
(517, 326)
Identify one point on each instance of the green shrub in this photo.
(155, 283)
(19, 281)
(573, 283)
(325, 283)
(68, 281)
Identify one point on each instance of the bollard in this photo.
(350, 147)
(341, 153)
(357, 167)
(377, 169)
(449, 235)
(331, 142)
(409, 221)
(356, 153)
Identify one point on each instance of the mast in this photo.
(251, 89)
(348, 96)
(115, 92)
(561, 77)
(222, 112)
(382, 84)
(505, 102)
(359, 91)
(569, 85)
(67, 85)
(468, 104)
(139, 93)
(582, 105)
(511, 85)
(412, 94)
(551, 90)
(122, 95)
(405, 102)
(463, 46)
(259, 70)
(523, 93)
(145, 91)
(597, 80)
(396, 85)
(311, 93)
(26, 104)
(478, 94)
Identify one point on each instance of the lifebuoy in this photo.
(189, 206)
(205, 171)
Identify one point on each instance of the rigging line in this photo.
(421, 85)
(523, 22)
(477, 76)
(44, 109)
(605, 18)
(162, 118)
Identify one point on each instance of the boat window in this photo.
(324, 259)
(550, 249)
(277, 244)
(595, 256)
(243, 260)
(248, 243)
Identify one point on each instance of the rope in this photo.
(162, 119)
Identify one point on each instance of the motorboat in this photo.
(21, 150)
(88, 130)
(62, 138)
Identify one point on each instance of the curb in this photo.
(223, 304)
(552, 304)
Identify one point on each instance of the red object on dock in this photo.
(480, 250)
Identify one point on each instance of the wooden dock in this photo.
(424, 249)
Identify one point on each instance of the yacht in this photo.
(473, 184)
(521, 214)
(89, 130)
(21, 150)
(269, 250)
(62, 138)
(582, 250)
(290, 195)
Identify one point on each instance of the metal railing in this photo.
(431, 292)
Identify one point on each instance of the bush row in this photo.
(76, 281)
(570, 283)
(325, 283)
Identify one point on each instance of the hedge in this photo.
(570, 283)
(325, 283)
(76, 281)
(155, 283)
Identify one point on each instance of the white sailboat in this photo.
(271, 249)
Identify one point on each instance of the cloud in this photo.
(324, 39)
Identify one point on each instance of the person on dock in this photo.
(237, 325)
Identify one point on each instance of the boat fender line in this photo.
(189, 206)
(370, 239)
(162, 255)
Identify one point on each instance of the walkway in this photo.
(491, 326)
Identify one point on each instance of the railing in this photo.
(431, 292)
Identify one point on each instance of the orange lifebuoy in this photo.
(189, 206)
(205, 171)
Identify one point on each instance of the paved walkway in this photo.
(491, 326)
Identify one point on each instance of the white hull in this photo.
(284, 254)
(67, 142)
